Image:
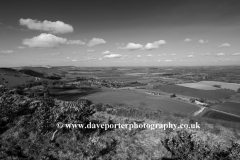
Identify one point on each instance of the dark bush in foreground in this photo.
(184, 146)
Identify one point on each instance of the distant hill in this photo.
(44, 72)
(10, 77)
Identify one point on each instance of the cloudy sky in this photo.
(119, 32)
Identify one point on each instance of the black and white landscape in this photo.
(108, 62)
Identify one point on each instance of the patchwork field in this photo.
(221, 116)
(208, 94)
(132, 98)
(236, 99)
(198, 86)
(232, 86)
(229, 107)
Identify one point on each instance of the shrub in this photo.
(184, 146)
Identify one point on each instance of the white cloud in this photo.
(99, 59)
(90, 59)
(75, 60)
(106, 52)
(202, 41)
(54, 54)
(44, 40)
(149, 55)
(187, 40)
(21, 47)
(224, 45)
(220, 54)
(154, 45)
(49, 40)
(190, 56)
(95, 41)
(206, 54)
(174, 54)
(90, 50)
(236, 54)
(75, 42)
(131, 47)
(139, 56)
(113, 56)
(6, 51)
(52, 27)
(168, 60)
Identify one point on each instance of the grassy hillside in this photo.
(10, 77)
(29, 131)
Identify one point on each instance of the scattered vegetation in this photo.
(29, 131)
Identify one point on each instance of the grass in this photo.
(229, 107)
(198, 86)
(207, 94)
(232, 86)
(136, 99)
(221, 116)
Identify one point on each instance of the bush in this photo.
(238, 90)
(184, 146)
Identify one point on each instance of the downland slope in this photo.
(28, 131)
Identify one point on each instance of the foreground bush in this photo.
(184, 146)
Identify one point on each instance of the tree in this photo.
(173, 95)
(238, 90)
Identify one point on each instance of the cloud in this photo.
(206, 54)
(149, 55)
(95, 41)
(131, 47)
(224, 45)
(202, 41)
(90, 59)
(139, 56)
(6, 51)
(190, 56)
(236, 54)
(154, 45)
(187, 40)
(90, 50)
(21, 47)
(113, 56)
(75, 60)
(220, 54)
(52, 27)
(168, 60)
(48, 41)
(106, 52)
(79, 42)
(54, 54)
(174, 54)
(44, 40)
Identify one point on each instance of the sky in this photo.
(119, 32)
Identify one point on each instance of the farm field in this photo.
(198, 86)
(214, 95)
(221, 116)
(229, 107)
(232, 86)
(132, 98)
(236, 99)
(72, 94)
(11, 81)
